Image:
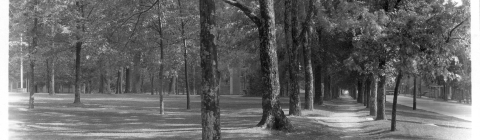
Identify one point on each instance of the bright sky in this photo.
(459, 2)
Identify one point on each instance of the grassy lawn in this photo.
(136, 116)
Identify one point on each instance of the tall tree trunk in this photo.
(52, 78)
(295, 103)
(208, 54)
(194, 85)
(142, 80)
(127, 80)
(107, 83)
(152, 89)
(101, 88)
(373, 96)
(394, 107)
(273, 116)
(367, 91)
(136, 73)
(318, 84)
(162, 60)
(307, 57)
(287, 28)
(32, 59)
(78, 47)
(360, 90)
(119, 82)
(308, 75)
(381, 98)
(415, 92)
(184, 54)
(47, 79)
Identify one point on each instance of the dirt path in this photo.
(345, 117)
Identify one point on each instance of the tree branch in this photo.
(454, 28)
(245, 10)
(308, 20)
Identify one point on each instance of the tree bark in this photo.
(208, 54)
(152, 88)
(136, 73)
(31, 57)
(394, 107)
(127, 80)
(101, 88)
(367, 91)
(308, 76)
(185, 54)
(318, 85)
(295, 103)
(307, 57)
(52, 78)
(373, 96)
(273, 116)
(415, 93)
(360, 89)
(162, 60)
(119, 82)
(78, 47)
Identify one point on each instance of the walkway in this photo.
(346, 117)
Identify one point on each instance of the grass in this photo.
(136, 116)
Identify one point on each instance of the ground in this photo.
(136, 116)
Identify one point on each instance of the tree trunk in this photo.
(31, 58)
(142, 80)
(368, 91)
(102, 83)
(288, 44)
(184, 54)
(328, 92)
(47, 79)
(373, 96)
(162, 60)
(415, 93)
(295, 103)
(360, 90)
(171, 86)
(136, 79)
(381, 98)
(52, 78)
(127, 80)
(152, 89)
(318, 85)
(194, 85)
(78, 58)
(208, 54)
(394, 107)
(107, 83)
(307, 51)
(273, 116)
(119, 82)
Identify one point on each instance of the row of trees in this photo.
(326, 46)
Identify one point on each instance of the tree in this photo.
(31, 50)
(273, 116)
(293, 69)
(208, 54)
(307, 56)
